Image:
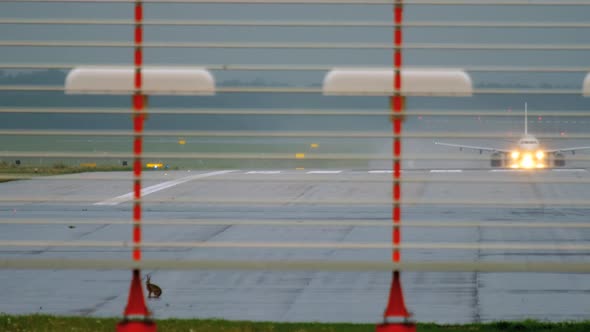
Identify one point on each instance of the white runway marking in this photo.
(264, 172)
(324, 172)
(381, 172)
(158, 187)
(569, 170)
(446, 171)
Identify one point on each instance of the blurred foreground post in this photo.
(396, 317)
(388, 82)
(139, 82)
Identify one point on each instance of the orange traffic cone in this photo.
(396, 317)
(136, 317)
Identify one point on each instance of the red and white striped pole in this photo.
(138, 118)
(397, 107)
(136, 314)
(396, 315)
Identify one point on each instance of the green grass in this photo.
(54, 169)
(46, 323)
(157, 145)
(50, 170)
(12, 172)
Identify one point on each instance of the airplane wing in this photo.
(569, 149)
(471, 147)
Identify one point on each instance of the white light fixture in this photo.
(586, 86)
(415, 82)
(155, 81)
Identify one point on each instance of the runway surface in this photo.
(336, 195)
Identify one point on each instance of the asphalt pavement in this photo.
(335, 195)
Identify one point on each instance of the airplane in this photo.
(528, 153)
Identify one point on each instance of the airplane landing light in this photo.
(527, 161)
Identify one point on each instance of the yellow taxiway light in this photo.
(154, 165)
(182, 141)
(314, 145)
(540, 155)
(515, 154)
(300, 156)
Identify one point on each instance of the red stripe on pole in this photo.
(138, 12)
(137, 189)
(138, 123)
(397, 236)
(137, 167)
(397, 147)
(136, 234)
(136, 212)
(136, 254)
(397, 169)
(138, 34)
(397, 127)
(137, 145)
(398, 37)
(397, 213)
(398, 102)
(397, 256)
(396, 241)
(138, 58)
(397, 59)
(138, 101)
(138, 80)
(398, 14)
(396, 191)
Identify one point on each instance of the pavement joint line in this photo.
(158, 187)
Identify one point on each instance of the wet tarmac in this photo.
(484, 196)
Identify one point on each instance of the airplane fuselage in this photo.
(528, 143)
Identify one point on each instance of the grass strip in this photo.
(48, 323)
(11, 173)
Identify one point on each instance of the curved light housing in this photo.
(155, 81)
(415, 82)
(586, 86)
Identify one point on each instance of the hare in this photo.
(152, 288)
